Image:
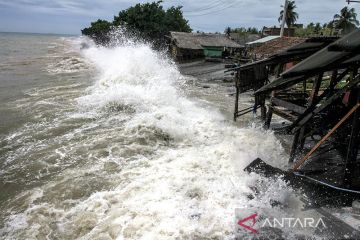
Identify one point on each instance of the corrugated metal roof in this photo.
(198, 40)
(329, 57)
(276, 46)
(263, 40)
(301, 51)
(340, 54)
(313, 43)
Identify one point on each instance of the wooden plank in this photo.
(313, 106)
(336, 226)
(284, 114)
(327, 103)
(288, 105)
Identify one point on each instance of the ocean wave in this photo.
(65, 57)
(139, 159)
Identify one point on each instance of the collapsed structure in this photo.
(314, 86)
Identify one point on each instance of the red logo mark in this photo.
(250, 228)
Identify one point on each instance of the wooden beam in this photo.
(306, 157)
(284, 114)
(236, 103)
(317, 101)
(316, 87)
(269, 113)
(288, 105)
(327, 103)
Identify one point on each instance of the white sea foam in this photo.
(173, 164)
(190, 191)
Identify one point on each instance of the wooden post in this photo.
(263, 112)
(351, 165)
(304, 86)
(236, 103)
(261, 101)
(333, 81)
(270, 112)
(294, 147)
(301, 162)
(299, 137)
(302, 138)
(313, 110)
(315, 90)
(268, 117)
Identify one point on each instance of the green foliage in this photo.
(314, 29)
(346, 20)
(149, 20)
(241, 31)
(317, 28)
(227, 31)
(98, 31)
(175, 21)
(252, 30)
(291, 15)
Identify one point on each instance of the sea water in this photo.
(112, 143)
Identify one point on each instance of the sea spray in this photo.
(143, 159)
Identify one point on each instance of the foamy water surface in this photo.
(113, 147)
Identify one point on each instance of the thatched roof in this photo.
(200, 40)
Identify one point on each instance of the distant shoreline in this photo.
(48, 34)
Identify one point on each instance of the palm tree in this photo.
(346, 20)
(227, 31)
(291, 15)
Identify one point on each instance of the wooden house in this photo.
(190, 46)
(320, 99)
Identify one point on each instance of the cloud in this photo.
(52, 6)
(212, 15)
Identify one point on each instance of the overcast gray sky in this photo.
(69, 16)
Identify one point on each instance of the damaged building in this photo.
(314, 86)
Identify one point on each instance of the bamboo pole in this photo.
(302, 161)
